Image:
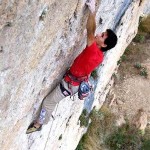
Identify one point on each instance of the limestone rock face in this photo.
(38, 42)
(146, 10)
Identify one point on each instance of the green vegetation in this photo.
(119, 62)
(131, 57)
(142, 70)
(101, 125)
(143, 30)
(144, 25)
(84, 118)
(122, 59)
(138, 65)
(103, 134)
(81, 143)
(94, 74)
(139, 38)
(128, 137)
(146, 145)
(125, 138)
(146, 139)
(127, 50)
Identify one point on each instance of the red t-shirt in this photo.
(86, 62)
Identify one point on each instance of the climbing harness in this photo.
(84, 85)
(74, 78)
(64, 91)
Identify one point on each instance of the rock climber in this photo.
(80, 70)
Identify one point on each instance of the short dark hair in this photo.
(110, 41)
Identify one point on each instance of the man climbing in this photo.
(80, 70)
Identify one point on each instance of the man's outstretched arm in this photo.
(91, 24)
(91, 27)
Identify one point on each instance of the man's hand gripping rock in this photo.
(91, 5)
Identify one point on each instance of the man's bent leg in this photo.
(49, 104)
(52, 99)
(47, 108)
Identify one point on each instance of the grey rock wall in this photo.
(39, 40)
(146, 10)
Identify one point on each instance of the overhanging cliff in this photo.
(38, 42)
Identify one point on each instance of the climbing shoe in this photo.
(32, 128)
